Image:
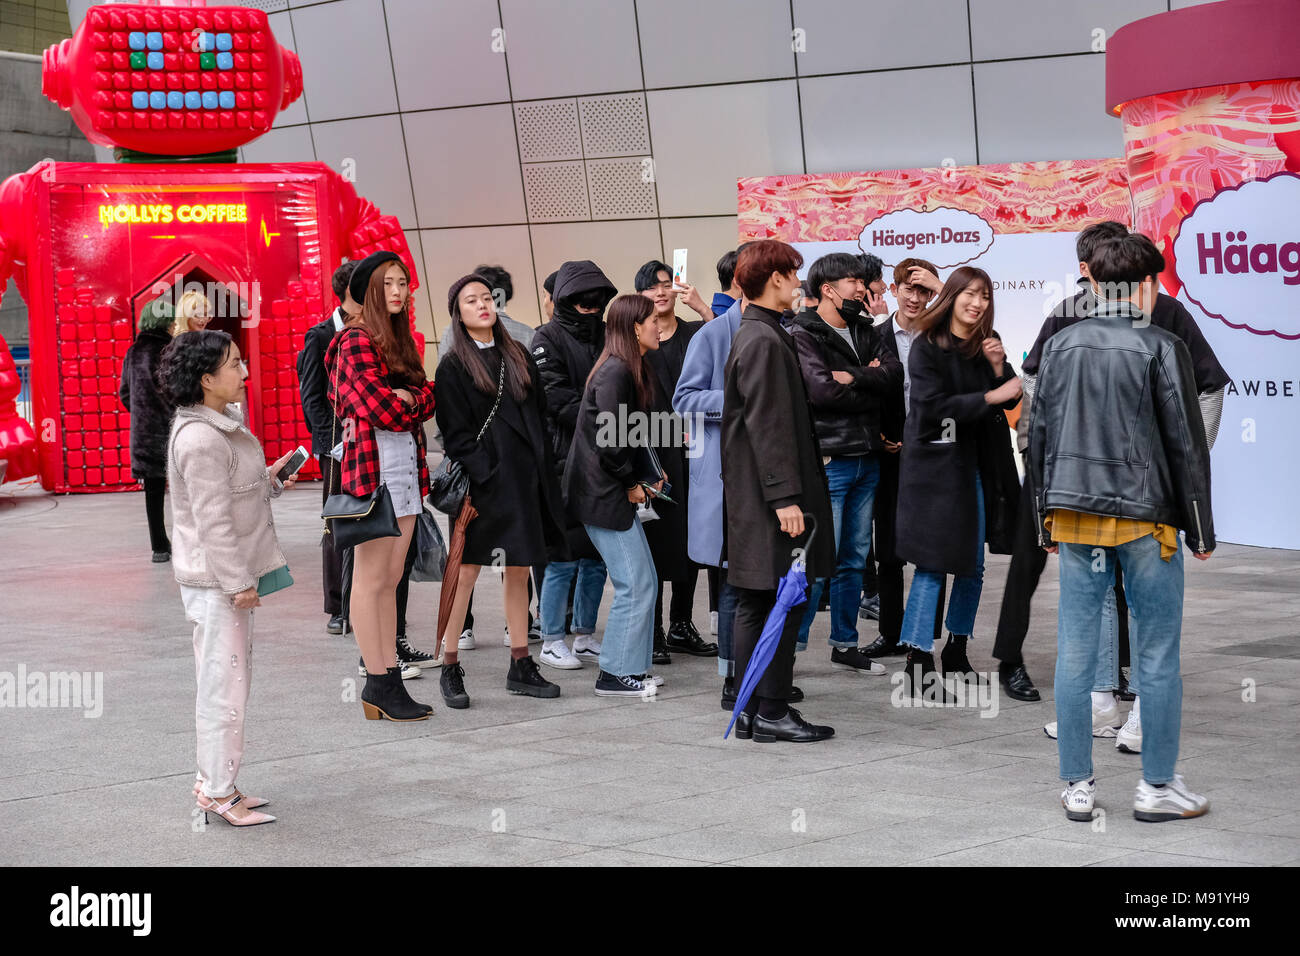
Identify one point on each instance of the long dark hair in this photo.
(624, 315)
(518, 378)
(935, 323)
(391, 334)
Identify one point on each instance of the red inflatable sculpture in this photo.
(176, 90)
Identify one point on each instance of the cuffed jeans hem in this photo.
(1076, 777)
(581, 631)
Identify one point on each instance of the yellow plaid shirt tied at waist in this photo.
(1107, 531)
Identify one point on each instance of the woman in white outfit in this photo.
(223, 547)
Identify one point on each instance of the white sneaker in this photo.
(713, 623)
(466, 642)
(507, 640)
(409, 671)
(1078, 798)
(654, 679)
(1170, 802)
(557, 654)
(1105, 723)
(587, 646)
(1129, 738)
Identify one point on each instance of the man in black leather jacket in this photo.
(1118, 465)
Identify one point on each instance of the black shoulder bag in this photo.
(449, 484)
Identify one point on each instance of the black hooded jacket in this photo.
(566, 349)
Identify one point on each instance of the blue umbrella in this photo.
(790, 593)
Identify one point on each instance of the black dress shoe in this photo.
(791, 727)
(659, 654)
(869, 607)
(683, 637)
(795, 695)
(744, 729)
(729, 695)
(884, 647)
(1016, 682)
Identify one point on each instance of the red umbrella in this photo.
(451, 575)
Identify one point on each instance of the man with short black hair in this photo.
(724, 300)
(1118, 465)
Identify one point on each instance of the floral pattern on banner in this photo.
(1013, 197)
(1186, 146)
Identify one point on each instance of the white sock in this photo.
(1136, 712)
(1102, 700)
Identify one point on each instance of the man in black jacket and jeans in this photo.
(848, 373)
(1118, 464)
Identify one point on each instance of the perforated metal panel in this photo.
(555, 191)
(621, 188)
(270, 6)
(548, 130)
(614, 125)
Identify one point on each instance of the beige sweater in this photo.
(223, 535)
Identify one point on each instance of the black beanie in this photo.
(454, 292)
(360, 280)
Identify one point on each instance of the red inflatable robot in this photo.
(176, 90)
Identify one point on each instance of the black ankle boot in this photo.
(659, 653)
(954, 659)
(383, 697)
(919, 665)
(399, 686)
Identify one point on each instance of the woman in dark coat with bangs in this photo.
(485, 375)
(151, 418)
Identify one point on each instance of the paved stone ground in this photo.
(581, 780)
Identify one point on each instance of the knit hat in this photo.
(454, 292)
(360, 280)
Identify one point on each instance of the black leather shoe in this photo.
(795, 695)
(683, 637)
(884, 647)
(791, 727)
(954, 661)
(869, 607)
(659, 654)
(923, 681)
(335, 625)
(1016, 682)
(744, 729)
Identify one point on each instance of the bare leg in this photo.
(373, 601)
(388, 607)
(516, 605)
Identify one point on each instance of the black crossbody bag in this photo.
(449, 484)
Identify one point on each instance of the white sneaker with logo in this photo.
(1129, 738)
(1105, 723)
(1173, 801)
(587, 647)
(557, 654)
(1078, 798)
(466, 642)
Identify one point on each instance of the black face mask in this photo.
(850, 310)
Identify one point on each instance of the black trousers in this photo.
(331, 562)
(155, 492)
(681, 607)
(752, 609)
(715, 587)
(870, 578)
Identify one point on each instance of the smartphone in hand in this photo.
(292, 466)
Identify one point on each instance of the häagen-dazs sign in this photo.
(947, 237)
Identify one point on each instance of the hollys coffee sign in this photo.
(1238, 256)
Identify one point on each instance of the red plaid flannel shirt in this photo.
(364, 401)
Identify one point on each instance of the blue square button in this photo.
(140, 100)
(156, 61)
(226, 99)
(136, 41)
(224, 41)
(175, 100)
(193, 100)
(225, 61)
(157, 100)
(154, 40)
(210, 101)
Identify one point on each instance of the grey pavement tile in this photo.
(615, 857)
(1235, 846)
(1026, 851)
(1165, 861)
(719, 844)
(497, 849)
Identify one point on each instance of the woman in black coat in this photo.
(151, 418)
(958, 485)
(488, 378)
(609, 468)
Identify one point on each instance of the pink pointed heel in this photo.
(226, 810)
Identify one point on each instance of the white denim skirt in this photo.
(399, 471)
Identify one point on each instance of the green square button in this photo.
(208, 61)
(139, 60)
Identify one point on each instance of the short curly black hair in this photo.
(186, 359)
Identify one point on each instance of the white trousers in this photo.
(223, 668)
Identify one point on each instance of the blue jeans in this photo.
(726, 626)
(923, 598)
(554, 598)
(628, 642)
(852, 480)
(1155, 597)
(1108, 658)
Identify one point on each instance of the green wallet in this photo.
(273, 581)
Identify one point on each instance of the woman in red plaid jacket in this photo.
(382, 397)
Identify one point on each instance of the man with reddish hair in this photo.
(771, 477)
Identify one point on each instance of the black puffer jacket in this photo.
(566, 349)
(1116, 429)
(847, 417)
(151, 416)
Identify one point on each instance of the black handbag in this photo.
(448, 485)
(430, 549)
(352, 520)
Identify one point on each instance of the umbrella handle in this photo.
(811, 519)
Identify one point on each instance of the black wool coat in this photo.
(936, 518)
(770, 458)
(151, 416)
(497, 477)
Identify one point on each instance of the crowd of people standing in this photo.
(824, 430)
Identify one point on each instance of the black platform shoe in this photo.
(954, 661)
(920, 685)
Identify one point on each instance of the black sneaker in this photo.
(869, 607)
(406, 654)
(607, 685)
(524, 678)
(452, 685)
(335, 625)
(852, 659)
(682, 636)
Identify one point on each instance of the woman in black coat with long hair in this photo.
(958, 485)
(151, 418)
(487, 377)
